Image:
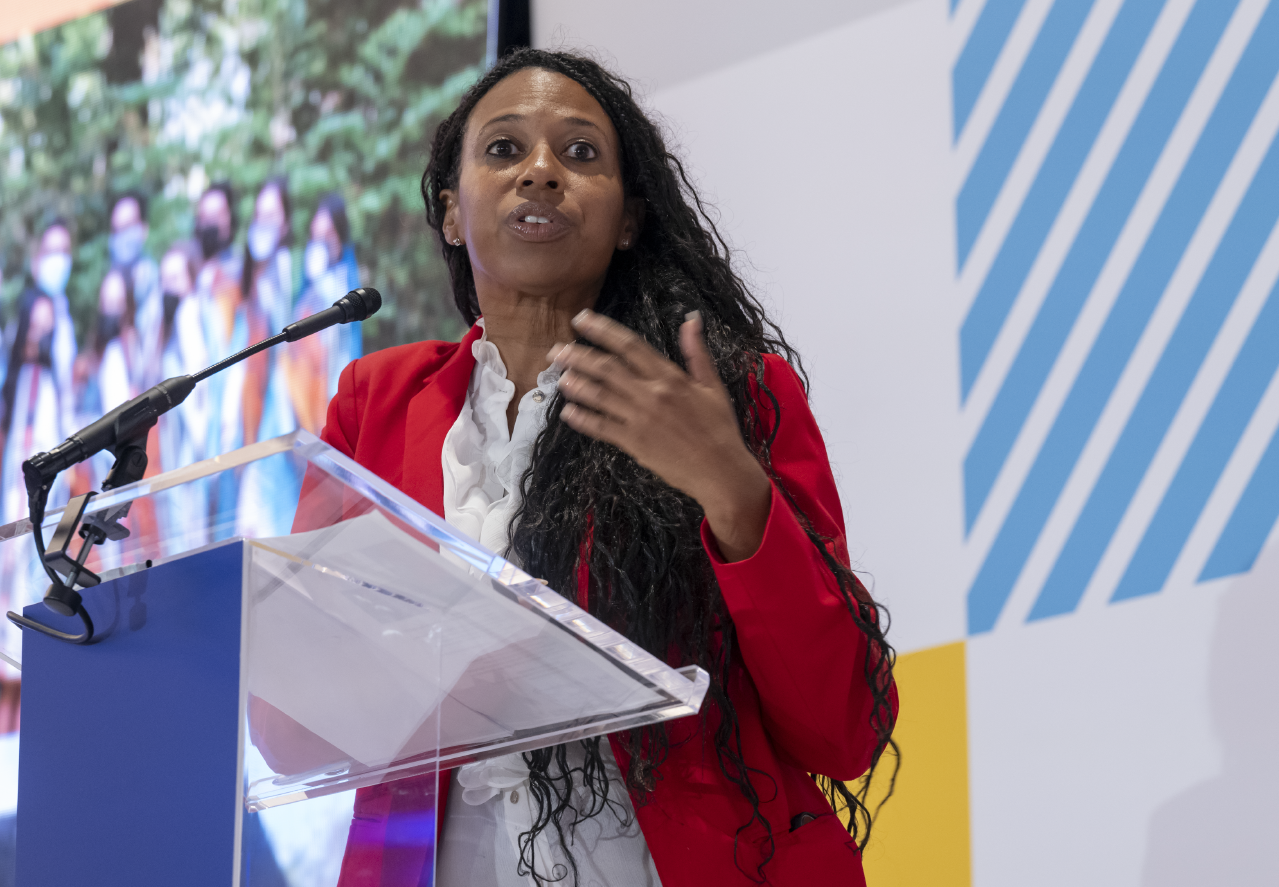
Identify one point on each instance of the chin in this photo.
(549, 276)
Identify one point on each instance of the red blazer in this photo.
(801, 697)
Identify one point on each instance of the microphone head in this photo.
(360, 303)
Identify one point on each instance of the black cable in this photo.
(36, 502)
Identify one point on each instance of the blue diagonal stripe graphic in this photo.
(1083, 263)
(1114, 345)
(1251, 522)
(1206, 459)
(973, 67)
(1154, 413)
(1052, 184)
(1044, 61)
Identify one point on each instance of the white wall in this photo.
(660, 43)
(1122, 744)
(801, 148)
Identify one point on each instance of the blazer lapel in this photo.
(431, 414)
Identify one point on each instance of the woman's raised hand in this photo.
(679, 425)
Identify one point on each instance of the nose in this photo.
(541, 170)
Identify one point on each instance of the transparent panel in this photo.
(349, 585)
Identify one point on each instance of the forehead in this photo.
(269, 198)
(126, 209)
(322, 222)
(174, 262)
(542, 97)
(113, 284)
(42, 311)
(211, 201)
(56, 237)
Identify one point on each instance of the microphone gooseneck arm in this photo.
(231, 361)
(123, 432)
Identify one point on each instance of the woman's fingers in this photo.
(584, 390)
(608, 369)
(618, 339)
(591, 423)
(696, 356)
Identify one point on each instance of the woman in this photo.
(181, 434)
(32, 400)
(312, 365)
(31, 414)
(622, 422)
(268, 291)
(109, 371)
(265, 406)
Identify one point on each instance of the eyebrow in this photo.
(517, 118)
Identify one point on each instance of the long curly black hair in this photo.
(582, 498)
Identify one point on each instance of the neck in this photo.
(525, 327)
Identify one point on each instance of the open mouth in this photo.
(537, 222)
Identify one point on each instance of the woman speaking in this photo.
(623, 421)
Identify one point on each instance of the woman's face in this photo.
(112, 295)
(324, 231)
(175, 274)
(269, 208)
(539, 202)
(39, 326)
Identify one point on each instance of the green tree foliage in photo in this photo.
(166, 97)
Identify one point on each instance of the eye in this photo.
(582, 151)
(501, 148)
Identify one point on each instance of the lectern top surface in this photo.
(374, 630)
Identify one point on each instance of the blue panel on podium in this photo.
(153, 798)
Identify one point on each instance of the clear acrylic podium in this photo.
(282, 625)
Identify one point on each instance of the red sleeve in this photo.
(801, 645)
(341, 425)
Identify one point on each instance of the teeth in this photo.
(540, 220)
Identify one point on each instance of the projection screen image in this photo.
(182, 178)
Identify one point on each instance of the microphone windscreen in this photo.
(366, 301)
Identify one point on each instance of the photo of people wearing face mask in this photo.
(181, 434)
(30, 421)
(267, 489)
(50, 273)
(127, 248)
(218, 289)
(314, 364)
(268, 290)
(108, 372)
(31, 400)
(220, 296)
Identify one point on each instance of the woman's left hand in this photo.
(679, 425)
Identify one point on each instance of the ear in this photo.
(453, 224)
(632, 223)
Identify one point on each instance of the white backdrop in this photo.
(1119, 742)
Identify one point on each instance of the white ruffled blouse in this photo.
(489, 804)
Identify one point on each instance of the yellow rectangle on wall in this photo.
(921, 838)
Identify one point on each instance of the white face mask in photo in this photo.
(316, 259)
(263, 239)
(52, 273)
(126, 244)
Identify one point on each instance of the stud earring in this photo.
(457, 241)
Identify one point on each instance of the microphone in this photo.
(355, 305)
(133, 419)
(127, 421)
(123, 432)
